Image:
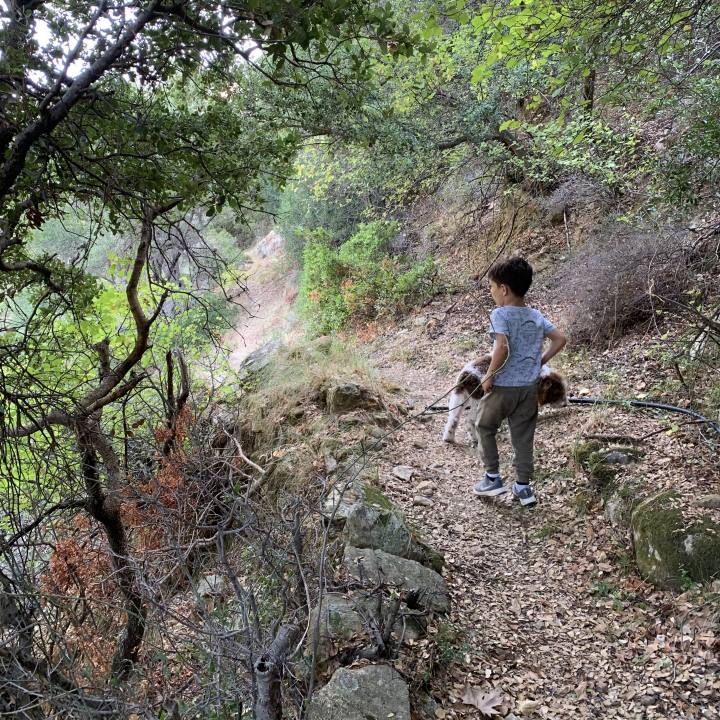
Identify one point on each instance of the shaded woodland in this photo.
(399, 148)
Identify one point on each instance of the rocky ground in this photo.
(548, 608)
(265, 308)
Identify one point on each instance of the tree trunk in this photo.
(589, 91)
(105, 508)
(268, 674)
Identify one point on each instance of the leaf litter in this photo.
(549, 615)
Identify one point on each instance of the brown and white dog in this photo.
(552, 391)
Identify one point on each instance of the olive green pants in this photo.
(519, 406)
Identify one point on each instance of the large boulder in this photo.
(350, 396)
(671, 549)
(378, 567)
(374, 692)
(383, 528)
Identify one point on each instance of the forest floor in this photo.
(547, 607)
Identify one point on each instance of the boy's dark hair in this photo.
(515, 272)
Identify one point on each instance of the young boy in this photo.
(518, 334)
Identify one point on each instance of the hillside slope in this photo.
(548, 605)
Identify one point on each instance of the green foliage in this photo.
(451, 645)
(582, 145)
(361, 280)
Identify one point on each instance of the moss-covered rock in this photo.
(669, 548)
(620, 502)
(602, 463)
(343, 620)
(376, 567)
(351, 396)
(383, 527)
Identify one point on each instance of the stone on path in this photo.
(403, 472)
(423, 501)
(426, 487)
(374, 692)
(711, 502)
(377, 567)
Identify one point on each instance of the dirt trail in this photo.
(545, 599)
(267, 303)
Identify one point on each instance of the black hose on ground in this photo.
(433, 409)
(647, 404)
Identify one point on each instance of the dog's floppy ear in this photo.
(552, 389)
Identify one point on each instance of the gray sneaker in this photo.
(524, 494)
(489, 487)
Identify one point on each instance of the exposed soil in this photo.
(266, 305)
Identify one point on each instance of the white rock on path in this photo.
(403, 472)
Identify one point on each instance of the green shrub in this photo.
(319, 294)
(360, 280)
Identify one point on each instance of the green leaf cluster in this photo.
(360, 280)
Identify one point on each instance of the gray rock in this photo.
(423, 501)
(615, 457)
(381, 529)
(350, 396)
(343, 618)
(420, 321)
(620, 503)
(419, 444)
(209, 585)
(339, 621)
(374, 692)
(376, 432)
(426, 487)
(384, 419)
(403, 472)
(330, 462)
(424, 706)
(711, 502)
(258, 359)
(377, 567)
(381, 526)
(340, 501)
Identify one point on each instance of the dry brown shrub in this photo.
(617, 278)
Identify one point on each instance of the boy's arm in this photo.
(497, 360)
(557, 343)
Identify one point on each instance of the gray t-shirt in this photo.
(525, 329)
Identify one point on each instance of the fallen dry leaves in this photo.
(546, 602)
(486, 702)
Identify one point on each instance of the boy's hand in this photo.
(487, 385)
